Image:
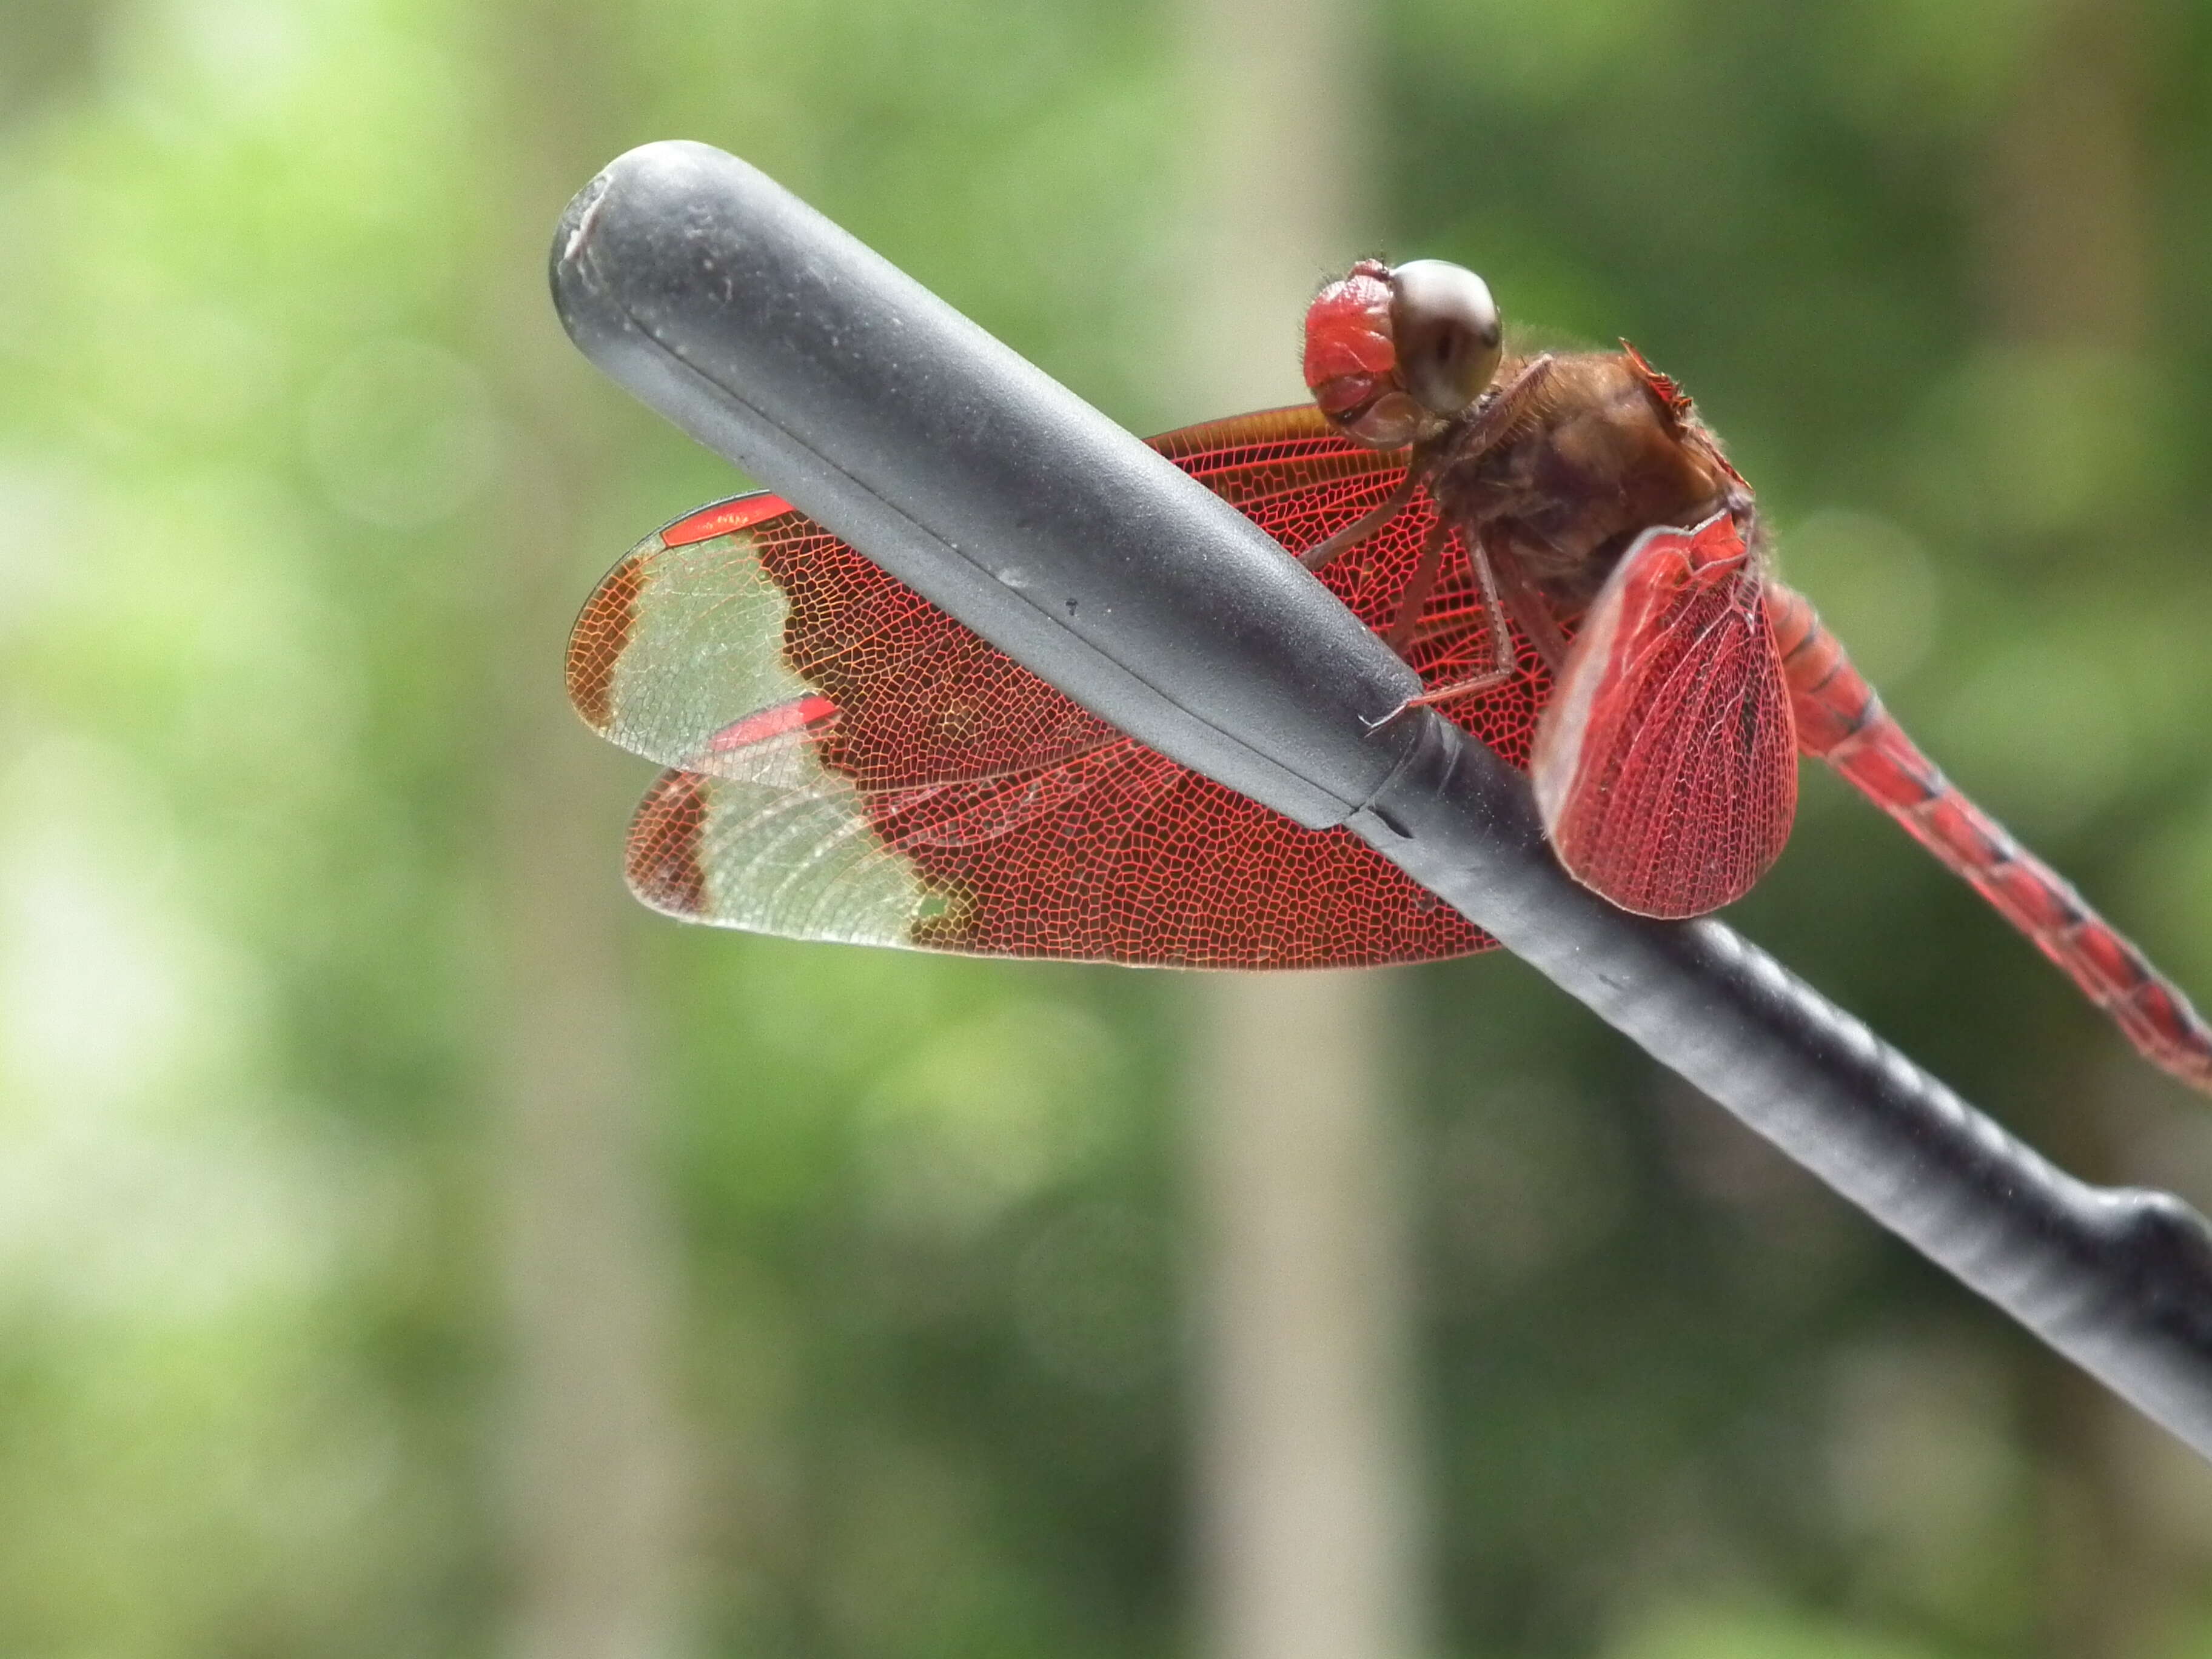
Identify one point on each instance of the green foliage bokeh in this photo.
(268, 276)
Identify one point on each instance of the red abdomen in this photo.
(1840, 719)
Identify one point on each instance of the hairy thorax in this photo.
(1592, 460)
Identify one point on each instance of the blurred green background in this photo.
(399, 1230)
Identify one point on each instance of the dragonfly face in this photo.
(1393, 354)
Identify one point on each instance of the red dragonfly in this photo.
(1555, 542)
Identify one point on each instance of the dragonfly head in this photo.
(1392, 351)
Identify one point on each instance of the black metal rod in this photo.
(776, 340)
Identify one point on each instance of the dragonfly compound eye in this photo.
(1447, 334)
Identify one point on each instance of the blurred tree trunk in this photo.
(1309, 1524)
(2066, 231)
(2067, 239)
(594, 1513)
(51, 48)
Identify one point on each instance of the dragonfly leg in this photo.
(1531, 612)
(1507, 590)
(1320, 553)
(1495, 418)
(1417, 590)
(1502, 664)
(1491, 423)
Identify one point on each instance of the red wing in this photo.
(851, 764)
(1666, 767)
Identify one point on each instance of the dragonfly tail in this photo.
(1840, 719)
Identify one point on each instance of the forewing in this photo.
(851, 764)
(1665, 768)
(1301, 482)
